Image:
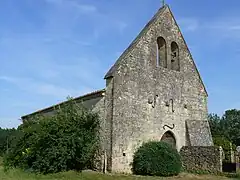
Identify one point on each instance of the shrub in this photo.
(67, 140)
(156, 159)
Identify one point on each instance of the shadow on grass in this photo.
(223, 174)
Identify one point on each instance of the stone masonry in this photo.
(154, 88)
(197, 158)
(146, 97)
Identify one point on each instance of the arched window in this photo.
(175, 64)
(161, 52)
(169, 138)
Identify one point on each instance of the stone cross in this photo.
(163, 2)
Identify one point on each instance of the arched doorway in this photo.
(169, 138)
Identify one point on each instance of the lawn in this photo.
(19, 175)
(89, 175)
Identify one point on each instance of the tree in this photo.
(215, 123)
(231, 120)
(67, 140)
(227, 126)
(7, 137)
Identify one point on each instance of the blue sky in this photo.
(50, 49)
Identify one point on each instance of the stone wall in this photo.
(97, 105)
(147, 98)
(199, 158)
(199, 133)
(108, 123)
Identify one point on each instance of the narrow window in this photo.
(175, 64)
(161, 52)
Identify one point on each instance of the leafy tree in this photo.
(226, 130)
(67, 140)
(7, 137)
(227, 126)
(3, 138)
(231, 120)
(216, 125)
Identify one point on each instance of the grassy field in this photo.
(19, 175)
(88, 175)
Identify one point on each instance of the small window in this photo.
(175, 64)
(161, 52)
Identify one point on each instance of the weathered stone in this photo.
(199, 133)
(146, 97)
(199, 158)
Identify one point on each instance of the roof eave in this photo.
(98, 93)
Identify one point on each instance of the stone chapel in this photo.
(153, 92)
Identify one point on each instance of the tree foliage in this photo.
(227, 126)
(231, 120)
(156, 159)
(64, 141)
(226, 130)
(216, 125)
(7, 137)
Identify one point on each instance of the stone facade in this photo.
(146, 97)
(154, 88)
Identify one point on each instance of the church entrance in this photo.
(169, 138)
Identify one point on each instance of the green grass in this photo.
(15, 174)
(71, 175)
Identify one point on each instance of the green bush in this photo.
(68, 140)
(156, 159)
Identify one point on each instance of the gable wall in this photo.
(136, 82)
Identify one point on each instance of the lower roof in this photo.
(88, 96)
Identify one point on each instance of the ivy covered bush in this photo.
(67, 140)
(156, 159)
